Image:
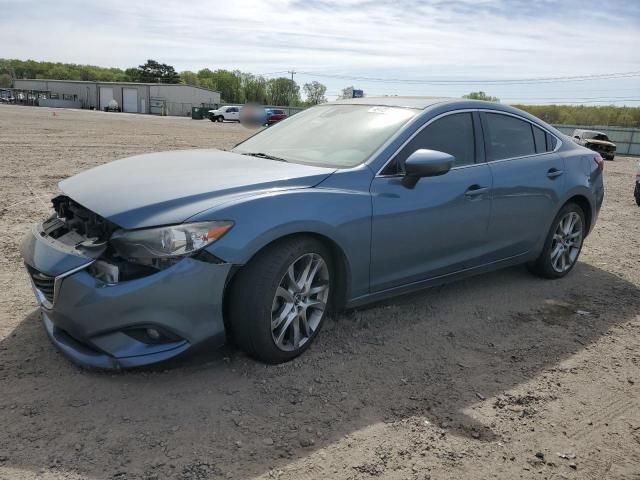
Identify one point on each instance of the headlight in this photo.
(171, 241)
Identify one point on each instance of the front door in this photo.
(439, 226)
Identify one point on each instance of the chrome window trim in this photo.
(470, 110)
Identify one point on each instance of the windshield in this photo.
(596, 136)
(338, 136)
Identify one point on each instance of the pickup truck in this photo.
(229, 112)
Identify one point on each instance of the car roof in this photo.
(406, 102)
(422, 103)
(449, 103)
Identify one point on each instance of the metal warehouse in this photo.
(153, 98)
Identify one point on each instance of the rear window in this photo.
(545, 142)
(540, 139)
(509, 137)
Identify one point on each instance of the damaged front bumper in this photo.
(126, 324)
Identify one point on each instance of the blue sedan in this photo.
(343, 204)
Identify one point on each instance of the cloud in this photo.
(399, 39)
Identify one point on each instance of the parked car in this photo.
(636, 191)
(343, 204)
(596, 141)
(275, 115)
(229, 113)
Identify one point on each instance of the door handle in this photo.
(554, 173)
(475, 190)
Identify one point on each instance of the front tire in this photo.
(636, 193)
(278, 302)
(563, 244)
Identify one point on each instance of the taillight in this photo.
(598, 159)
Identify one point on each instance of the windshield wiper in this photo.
(265, 155)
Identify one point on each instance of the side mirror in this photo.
(425, 163)
(577, 137)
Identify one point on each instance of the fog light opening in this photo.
(152, 335)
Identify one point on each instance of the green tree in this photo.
(226, 82)
(5, 80)
(132, 74)
(189, 78)
(481, 96)
(315, 92)
(155, 72)
(282, 91)
(585, 115)
(254, 88)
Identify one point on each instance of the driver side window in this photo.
(452, 134)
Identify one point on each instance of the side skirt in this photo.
(432, 282)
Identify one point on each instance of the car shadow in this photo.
(429, 358)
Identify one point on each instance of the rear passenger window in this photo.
(540, 138)
(508, 137)
(452, 134)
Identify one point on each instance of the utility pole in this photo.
(292, 72)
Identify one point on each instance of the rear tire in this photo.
(636, 193)
(563, 244)
(278, 301)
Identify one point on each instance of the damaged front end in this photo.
(116, 298)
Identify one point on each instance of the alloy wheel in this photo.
(566, 242)
(300, 302)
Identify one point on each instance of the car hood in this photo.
(170, 187)
(599, 142)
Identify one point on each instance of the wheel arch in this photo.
(339, 259)
(584, 203)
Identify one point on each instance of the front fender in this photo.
(342, 216)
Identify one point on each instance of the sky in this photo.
(383, 47)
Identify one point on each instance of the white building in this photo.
(154, 98)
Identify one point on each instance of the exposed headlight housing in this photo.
(167, 242)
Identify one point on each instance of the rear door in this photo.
(440, 225)
(233, 113)
(528, 181)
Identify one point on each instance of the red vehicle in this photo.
(275, 115)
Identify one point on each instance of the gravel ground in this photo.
(499, 376)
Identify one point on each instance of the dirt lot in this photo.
(500, 376)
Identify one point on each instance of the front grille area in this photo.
(43, 283)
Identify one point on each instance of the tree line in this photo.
(606, 115)
(234, 86)
(241, 87)
(587, 115)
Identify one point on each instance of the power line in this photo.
(521, 81)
